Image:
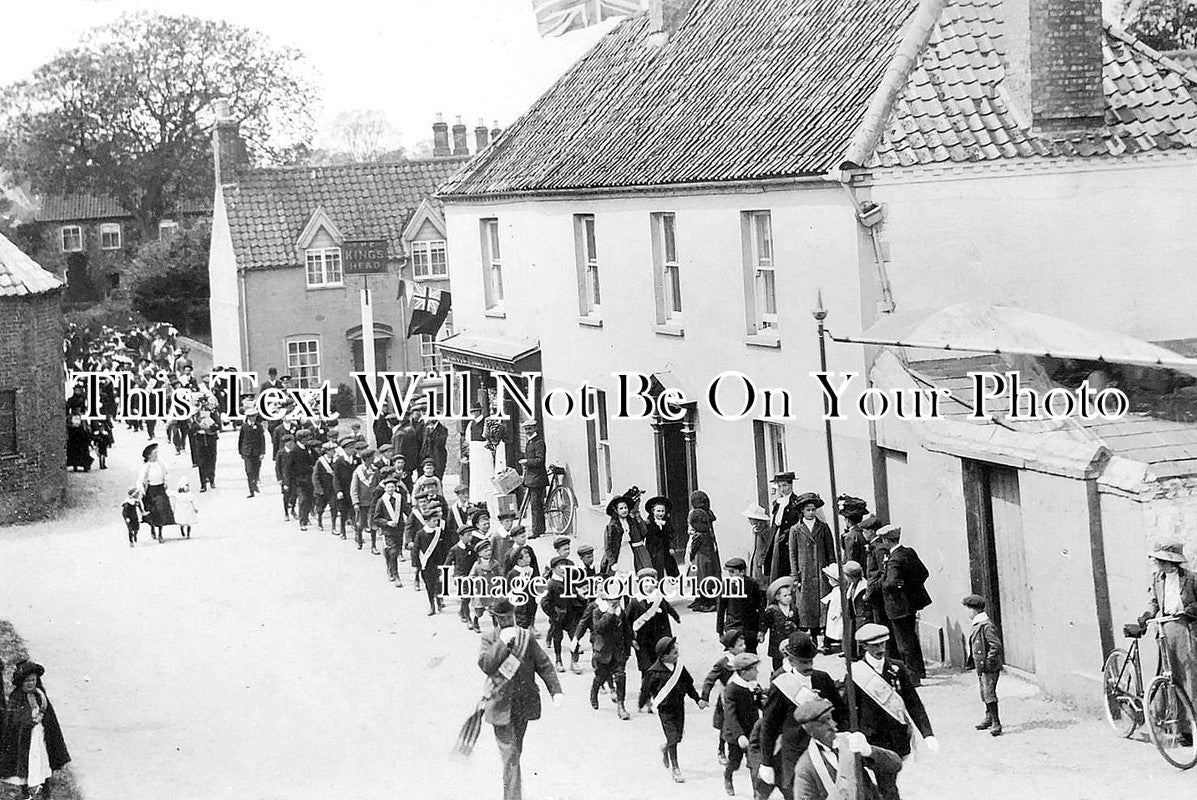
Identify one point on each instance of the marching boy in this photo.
(564, 613)
(669, 684)
(741, 710)
(131, 510)
(985, 650)
(733, 644)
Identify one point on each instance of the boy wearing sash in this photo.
(741, 709)
(650, 613)
(892, 715)
(432, 545)
(827, 768)
(669, 684)
(390, 515)
(362, 488)
(512, 659)
(722, 671)
(418, 519)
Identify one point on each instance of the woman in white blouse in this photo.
(152, 481)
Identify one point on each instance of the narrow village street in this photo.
(257, 662)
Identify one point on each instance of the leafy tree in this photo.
(126, 113)
(1162, 24)
(169, 279)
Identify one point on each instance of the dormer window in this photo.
(324, 267)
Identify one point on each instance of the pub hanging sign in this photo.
(364, 256)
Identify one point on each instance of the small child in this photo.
(485, 568)
(741, 710)
(525, 607)
(985, 650)
(733, 644)
(185, 508)
(132, 511)
(669, 684)
(428, 482)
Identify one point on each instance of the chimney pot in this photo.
(440, 137)
(460, 146)
(481, 136)
(495, 131)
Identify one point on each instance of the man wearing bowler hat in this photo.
(1174, 603)
(900, 580)
(514, 654)
(784, 514)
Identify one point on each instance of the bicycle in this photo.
(1165, 707)
(559, 503)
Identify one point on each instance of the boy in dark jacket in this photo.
(282, 469)
(131, 511)
(721, 673)
(462, 557)
(985, 651)
(610, 637)
(564, 613)
(669, 684)
(741, 710)
(741, 613)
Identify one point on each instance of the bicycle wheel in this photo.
(1171, 721)
(559, 510)
(1120, 684)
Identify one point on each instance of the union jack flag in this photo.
(555, 17)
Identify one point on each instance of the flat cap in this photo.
(812, 710)
(872, 633)
(735, 563)
(745, 660)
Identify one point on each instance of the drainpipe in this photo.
(1097, 558)
(244, 318)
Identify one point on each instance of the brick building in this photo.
(90, 241)
(280, 295)
(32, 427)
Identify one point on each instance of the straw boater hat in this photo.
(754, 511)
(784, 580)
(872, 633)
(1171, 552)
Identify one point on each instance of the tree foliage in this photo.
(127, 112)
(365, 135)
(169, 280)
(1162, 24)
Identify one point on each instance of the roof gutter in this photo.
(748, 185)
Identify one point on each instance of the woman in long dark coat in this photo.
(205, 427)
(659, 536)
(31, 743)
(812, 548)
(702, 551)
(78, 445)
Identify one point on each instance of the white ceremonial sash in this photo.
(821, 767)
(887, 697)
(792, 685)
(669, 684)
(652, 611)
(431, 545)
(389, 505)
(419, 517)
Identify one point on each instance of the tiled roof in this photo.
(20, 274)
(743, 90)
(954, 107)
(748, 91)
(72, 207)
(269, 208)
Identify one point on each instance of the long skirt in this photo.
(78, 446)
(37, 769)
(158, 508)
(482, 469)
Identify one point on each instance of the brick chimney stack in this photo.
(1053, 52)
(481, 136)
(495, 130)
(228, 148)
(440, 137)
(460, 145)
(666, 16)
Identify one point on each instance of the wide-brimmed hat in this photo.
(832, 572)
(1170, 552)
(787, 477)
(659, 501)
(615, 501)
(24, 670)
(784, 580)
(847, 504)
(754, 511)
(810, 497)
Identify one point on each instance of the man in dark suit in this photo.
(251, 445)
(303, 459)
(434, 444)
(536, 477)
(778, 740)
(741, 613)
(900, 580)
(784, 514)
(406, 442)
(511, 657)
(889, 708)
